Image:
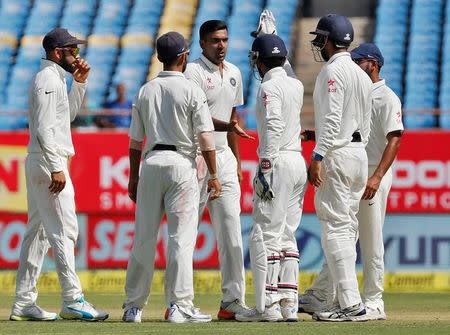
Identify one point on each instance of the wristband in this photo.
(316, 156)
(212, 176)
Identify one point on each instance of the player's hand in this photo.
(314, 171)
(132, 189)
(58, 182)
(214, 185)
(267, 24)
(235, 128)
(239, 174)
(262, 187)
(373, 184)
(308, 135)
(81, 71)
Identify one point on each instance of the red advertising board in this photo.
(110, 241)
(100, 171)
(12, 229)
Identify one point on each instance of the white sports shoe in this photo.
(177, 314)
(310, 303)
(335, 314)
(271, 313)
(266, 24)
(233, 308)
(289, 310)
(31, 313)
(132, 314)
(375, 313)
(81, 310)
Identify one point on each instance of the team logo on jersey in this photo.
(347, 37)
(265, 99)
(233, 82)
(331, 87)
(209, 83)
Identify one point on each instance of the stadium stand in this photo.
(421, 81)
(137, 46)
(177, 15)
(121, 36)
(391, 30)
(444, 98)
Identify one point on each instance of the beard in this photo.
(66, 65)
(325, 55)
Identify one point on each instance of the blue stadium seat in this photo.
(423, 53)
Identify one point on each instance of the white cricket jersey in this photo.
(223, 93)
(342, 103)
(51, 111)
(170, 110)
(386, 118)
(278, 106)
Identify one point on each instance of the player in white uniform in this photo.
(384, 141)
(338, 168)
(222, 83)
(168, 111)
(386, 131)
(52, 220)
(279, 185)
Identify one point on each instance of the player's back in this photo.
(289, 92)
(166, 105)
(342, 101)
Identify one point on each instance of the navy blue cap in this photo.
(59, 38)
(368, 51)
(171, 45)
(269, 45)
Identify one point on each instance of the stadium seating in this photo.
(444, 98)
(122, 35)
(177, 15)
(390, 36)
(422, 63)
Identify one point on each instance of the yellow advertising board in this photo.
(13, 192)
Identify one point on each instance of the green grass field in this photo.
(407, 314)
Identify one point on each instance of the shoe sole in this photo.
(189, 321)
(77, 317)
(30, 318)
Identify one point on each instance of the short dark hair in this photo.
(273, 62)
(211, 26)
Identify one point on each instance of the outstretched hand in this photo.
(235, 128)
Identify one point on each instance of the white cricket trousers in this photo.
(225, 218)
(370, 224)
(167, 184)
(279, 220)
(371, 217)
(344, 173)
(52, 222)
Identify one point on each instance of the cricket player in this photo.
(52, 221)
(168, 111)
(382, 148)
(338, 168)
(384, 142)
(279, 185)
(222, 83)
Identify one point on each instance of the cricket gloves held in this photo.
(267, 24)
(262, 181)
